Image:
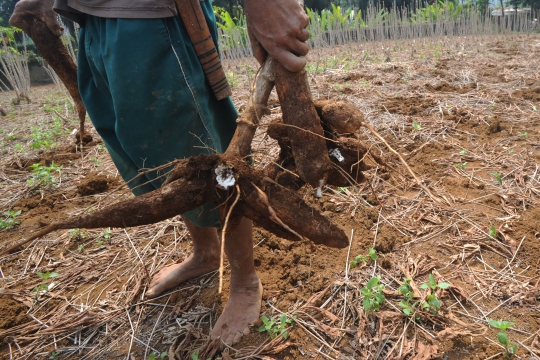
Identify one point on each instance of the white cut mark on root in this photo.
(273, 216)
(335, 153)
(225, 176)
(318, 192)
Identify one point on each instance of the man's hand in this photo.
(278, 28)
(28, 10)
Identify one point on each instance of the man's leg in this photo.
(205, 258)
(244, 304)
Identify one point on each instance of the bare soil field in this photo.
(465, 115)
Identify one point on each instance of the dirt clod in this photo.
(92, 184)
(12, 313)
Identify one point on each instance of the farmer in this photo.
(146, 94)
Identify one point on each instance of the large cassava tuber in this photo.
(304, 127)
(55, 53)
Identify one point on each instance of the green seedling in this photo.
(44, 277)
(154, 356)
(107, 234)
(54, 355)
(42, 176)
(80, 248)
(462, 166)
(502, 336)
(432, 303)
(359, 259)
(498, 177)
(96, 161)
(77, 234)
(406, 290)
(10, 221)
(373, 295)
(523, 135)
(493, 232)
(463, 152)
(275, 328)
(416, 126)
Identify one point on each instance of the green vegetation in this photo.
(154, 356)
(502, 336)
(44, 277)
(46, 138)
(416, 126)
(432, 303)
(10, 221)
(276, 328)
(78, 235)
(42, 176)
(101, 240)
(498, 177)
(373, 295)
(408, 295)
(359, 259)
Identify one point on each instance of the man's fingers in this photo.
(300, 48)
(52, 23)
(18, 21)
(290, 61)
(303, 35)
(258, 51)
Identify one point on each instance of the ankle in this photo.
(249, 280)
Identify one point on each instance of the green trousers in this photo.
(146, 94)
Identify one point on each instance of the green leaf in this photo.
(424, 286)
(372, 282)
(51, 275)
(513, 349)
(262, 328)
(443, 285)
(503, 338)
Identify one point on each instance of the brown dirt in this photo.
(94, 183)
(12, 313)
(446, 87)
(528, 94)
(407, 106)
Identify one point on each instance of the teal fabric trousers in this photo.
(146, 94)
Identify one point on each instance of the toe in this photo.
(237, 337)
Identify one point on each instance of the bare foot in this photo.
(241, 311)
(173, 275)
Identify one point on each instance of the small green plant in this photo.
(416, 126)
(10, 221)
(462, 166)
(77, 235)
(96, 161)
(44, 277)
(365, 83)
(502, 336)
(463, 152)
(80, 248)
(498, 177)
(54, 354)
(154, 356)
(359, 259)
(42, 176)
(107, 234)
(275, 328)
(373, 295)
(406, 304)
(432, 303)
(492, 232)
(523, 135)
